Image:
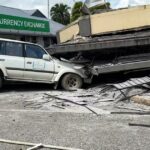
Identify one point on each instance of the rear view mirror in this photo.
(46, 57)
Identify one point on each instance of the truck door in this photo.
(36, 68)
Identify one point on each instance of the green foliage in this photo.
(76, 11)
(101, 7)
(60, 13)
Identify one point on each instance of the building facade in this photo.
(27, 25)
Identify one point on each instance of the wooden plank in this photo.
(58, 106)
(39, 146)
(33, 144)
(67, 100)
(130, 113)
(129, 108)
(97, 111)
(139, 125)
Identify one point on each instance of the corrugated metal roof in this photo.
(30, 12)
(54, 26)
(35, 12)
(14, 11)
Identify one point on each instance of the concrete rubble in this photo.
(99, 97)
(100, 102)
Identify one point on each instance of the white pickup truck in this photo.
(27, 62)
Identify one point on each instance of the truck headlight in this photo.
(78, 67)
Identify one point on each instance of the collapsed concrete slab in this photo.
(112, 22)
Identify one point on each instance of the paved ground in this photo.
(27, 114)
(84, 131)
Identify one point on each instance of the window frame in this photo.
(22, 55)
(25, 53)
(4, 47)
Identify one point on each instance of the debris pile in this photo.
(132, 95)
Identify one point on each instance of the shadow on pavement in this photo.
(19, 87)
(97, 81)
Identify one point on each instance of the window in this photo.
(2, 48)
(14, 49)
(33, 51)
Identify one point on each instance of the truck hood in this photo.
(68, 64)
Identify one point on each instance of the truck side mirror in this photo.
(47, 57)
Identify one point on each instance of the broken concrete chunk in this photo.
(144, 100)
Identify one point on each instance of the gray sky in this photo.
(42, 4)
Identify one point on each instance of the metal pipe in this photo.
(48, 9)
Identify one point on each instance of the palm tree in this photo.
(60, 13)
(76, 11)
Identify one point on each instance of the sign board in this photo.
(21, 23)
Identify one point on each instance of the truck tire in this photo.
(71, 81)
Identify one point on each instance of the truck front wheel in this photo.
(71, 81)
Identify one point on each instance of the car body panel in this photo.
(14, 66)
(39, 69)
(63, 68)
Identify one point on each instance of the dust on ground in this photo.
(37, 113)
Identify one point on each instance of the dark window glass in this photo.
(33, 51)
(2, 48)
(14, 49)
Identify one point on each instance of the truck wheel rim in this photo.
(72, 82)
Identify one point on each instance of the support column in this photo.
(40, 41)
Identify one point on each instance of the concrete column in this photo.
(40, 41)
(17, 38)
